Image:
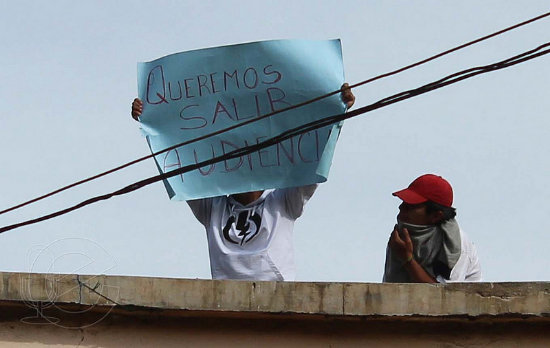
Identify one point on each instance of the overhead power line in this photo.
(450, 79)
(97, 176)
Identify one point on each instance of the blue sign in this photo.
(190, 94)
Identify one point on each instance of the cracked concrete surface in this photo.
(348, 299)
(115, 311)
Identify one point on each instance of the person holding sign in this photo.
(427, 245)
(250, 234)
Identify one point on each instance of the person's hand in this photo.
(401, 245)
(137, 108)
(347, 95)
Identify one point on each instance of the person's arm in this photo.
(417, 273)
(295, 198)
(202, 209)
(403, 249)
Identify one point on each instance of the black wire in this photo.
(441, 54)
(450, 79)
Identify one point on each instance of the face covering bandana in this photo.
(435, 247)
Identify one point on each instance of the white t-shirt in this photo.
(467, 268)
(254, 241)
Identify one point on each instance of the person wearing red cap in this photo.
(427, 245)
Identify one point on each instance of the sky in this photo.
(68, 72)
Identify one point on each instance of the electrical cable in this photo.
(64, 188)
(450, 79)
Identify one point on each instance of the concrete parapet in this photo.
(339, 299)
(117, 311)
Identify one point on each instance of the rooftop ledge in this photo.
(508, 300)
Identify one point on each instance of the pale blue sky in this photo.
(68, 72)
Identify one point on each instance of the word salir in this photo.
(261, 96)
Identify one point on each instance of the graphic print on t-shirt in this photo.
(248, 227)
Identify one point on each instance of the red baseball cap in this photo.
(428, 187)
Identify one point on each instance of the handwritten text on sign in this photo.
(194, 93)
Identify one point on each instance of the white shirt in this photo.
(254, 241)
(467, 268)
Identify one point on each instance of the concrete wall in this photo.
(40, 309)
